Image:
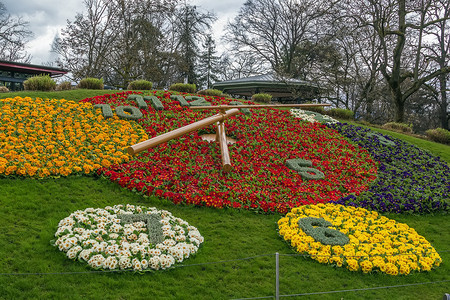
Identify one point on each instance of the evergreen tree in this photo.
(208, 66)
(190, 25)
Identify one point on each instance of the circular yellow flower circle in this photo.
(43, 137)
(375, 243)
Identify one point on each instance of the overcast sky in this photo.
(48, 17)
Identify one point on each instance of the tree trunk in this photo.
(399, 111)
(444, 102)
(399, 102)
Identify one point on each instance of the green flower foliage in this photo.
(128, 112)
(317, 228)
(156, 103)
(180, 99)
(197, 101)
(139, 100)
(302, 166)
(153, 221)
(106, 110)
(381, 139)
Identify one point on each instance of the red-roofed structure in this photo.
(13, 74)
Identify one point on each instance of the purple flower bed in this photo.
(410, 180)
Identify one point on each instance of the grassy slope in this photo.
(436, 148)
(75, 95)
(31, 209)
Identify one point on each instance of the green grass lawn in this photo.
(31, 268)
(74, 95)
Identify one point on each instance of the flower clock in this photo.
(279, 161)
(357, 239)
(127, 238)
(42, 137)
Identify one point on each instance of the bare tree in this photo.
(14, 35)
(119, 40)
(85, 43)
(438, 52)
(271, 30)
(400, 28)
(242, 65)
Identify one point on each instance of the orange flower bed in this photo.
(42, 137)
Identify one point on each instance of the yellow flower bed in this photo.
(42, 138)
(376, 242)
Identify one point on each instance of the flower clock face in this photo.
(357, 239)
(41, 138)
(127, 237)
(279, 161)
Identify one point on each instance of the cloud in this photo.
(225, 12)
(47, 17)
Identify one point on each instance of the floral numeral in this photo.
(180, 100)
(303, 167)
(322, 233)
(106, 110)
(381, 139)
(197, 101)
(139, 100)
(153, 221)
(133, 112)
(156, 103)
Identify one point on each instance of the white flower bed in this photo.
(127, 237)
(312, 116)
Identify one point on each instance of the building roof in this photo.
(267, 83)
(29, 68)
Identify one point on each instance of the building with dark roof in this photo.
(282, 90)
(13, 74)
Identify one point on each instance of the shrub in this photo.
(210, 92)
(318, 109)
(365, 123)
(140, 85)
(3, 89)
(341, 113)
(402, 127)
(183, 87)
(64, 86)
(91, 83)
(39, 83)
(439, 135)
(264, 98)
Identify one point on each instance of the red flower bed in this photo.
(188, 169)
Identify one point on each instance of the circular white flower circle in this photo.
(127, 237)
